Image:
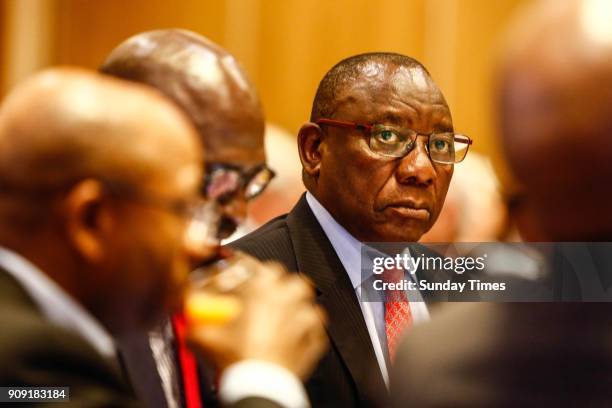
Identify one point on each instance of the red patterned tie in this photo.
(187, 363)
(397, 311)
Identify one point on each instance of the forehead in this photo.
(387, 91)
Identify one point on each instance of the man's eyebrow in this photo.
(406, 121)
(392, 118)
(444, 127)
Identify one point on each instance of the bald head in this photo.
(205, 81)
(63, 125)
(555, 95)
(349, 70)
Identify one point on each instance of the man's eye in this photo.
(388, 136)
(441, 145)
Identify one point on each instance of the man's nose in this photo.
(416, 167)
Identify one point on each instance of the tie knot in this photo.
(394, 275)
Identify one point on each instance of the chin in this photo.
(405, 232)
(398, 235)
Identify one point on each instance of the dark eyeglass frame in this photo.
(367, 130)
(245, 177)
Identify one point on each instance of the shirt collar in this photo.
(55, 303)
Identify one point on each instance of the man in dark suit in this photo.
(377, 159)
(95, 241)
(76, 264)
(209, 85)
(556, 120)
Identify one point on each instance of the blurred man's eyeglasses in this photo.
(443, 148)
(223, 181)
(201, 215)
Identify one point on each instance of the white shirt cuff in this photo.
(255, 378)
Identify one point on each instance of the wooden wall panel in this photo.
(88, 30)
(301, 40)
(2, 45)
(478, 31)
(288, 45)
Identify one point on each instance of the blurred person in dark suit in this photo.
(99, 190)
(377, 158)
(555, 108)
(91, 231)
(208, 84)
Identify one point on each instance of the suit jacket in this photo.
(34, 352)
(348, 375)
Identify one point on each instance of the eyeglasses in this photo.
(444, 147)
(224, 181)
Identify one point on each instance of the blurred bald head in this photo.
(555, 95)
(63, 125)
(91, 169)
(206, 82)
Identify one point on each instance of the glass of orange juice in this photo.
(212, 296)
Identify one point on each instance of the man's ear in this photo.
(88, 220)
(309, 146)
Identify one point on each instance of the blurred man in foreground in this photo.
(377, 158)
(98, 188)
(556, 116)
(91, 225)
(207, 83)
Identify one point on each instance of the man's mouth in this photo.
(409, 209)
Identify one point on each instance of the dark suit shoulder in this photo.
(35, 352)
(270, 242)
(508, 355)
(269, 230)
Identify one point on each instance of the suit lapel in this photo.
(347, 329)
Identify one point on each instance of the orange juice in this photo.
(211, 308)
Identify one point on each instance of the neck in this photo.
(46, 253)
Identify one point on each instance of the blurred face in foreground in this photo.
(556, 118)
